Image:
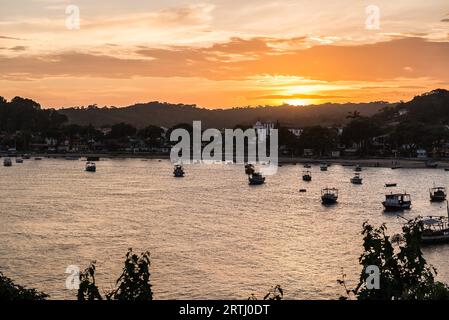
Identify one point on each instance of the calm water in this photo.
(210, 234)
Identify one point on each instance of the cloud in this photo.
(298, 96)
(242, 59)
(9, 38)
(18, 48)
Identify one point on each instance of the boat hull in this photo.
(393, 207)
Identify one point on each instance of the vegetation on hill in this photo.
(169, 115)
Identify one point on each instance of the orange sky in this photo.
(222, 53)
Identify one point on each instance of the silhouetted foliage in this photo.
(132, 285)
(88, 289)
(404, 273)
(13, 292)
(276, 293)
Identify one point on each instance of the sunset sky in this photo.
(222, 53)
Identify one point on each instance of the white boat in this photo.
(397, 201)
(7, 162)
(91, 167)
(323, 167)
(329, 195)
(357, 179)
(19, 160)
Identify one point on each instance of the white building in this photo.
(264, 128)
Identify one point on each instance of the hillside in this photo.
(168, 115)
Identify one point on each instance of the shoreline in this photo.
(396, 163)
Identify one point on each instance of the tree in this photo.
(404, 273)
(132, 285)
(318, 138)
(361, 131)
(13, 292)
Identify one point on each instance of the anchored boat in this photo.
(329, 195)
(256, 179)
(357, 179)
(91, 167)
(19, 160)
(307, 176)
(178, 172)
(323, 167)
(358, 168)
(7, 162)
(436, 229)
(397, 201)
(437, 194)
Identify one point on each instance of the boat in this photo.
(358, 168)
(329, 195)
(307, 176)
(19, 160)
(302, 190)
(178, 171)
(357, 179)
(390, 185)
(38, 158)
(437, 194)
(26, 157)
(446, 169)
(397, 201)
(256, 179)
(307, 166)
(72, 158)
(431, 164)
(91, 167)
(93, 158)
(7, 162)
(323, 167)
(435, 229)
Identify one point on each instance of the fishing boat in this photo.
(93, 158)
(38, 158)
(390, 185)
(329, 195)
(178, 171)
(435, 229)
(357, 179)
(323, 167)
(256, 178)
(7, 162)
(437, 194)
(72, 158)
(307, 166)
(307, 176)
(397, 201)
(26, 157)
(446, 169)
(358, 168)
(19, 160)
(91, 167)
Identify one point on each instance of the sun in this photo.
(298, 102)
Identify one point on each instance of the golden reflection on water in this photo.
(210, 234)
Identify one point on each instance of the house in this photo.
(264, 129)
(308, 153)
(296, 132)
(421, 153)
